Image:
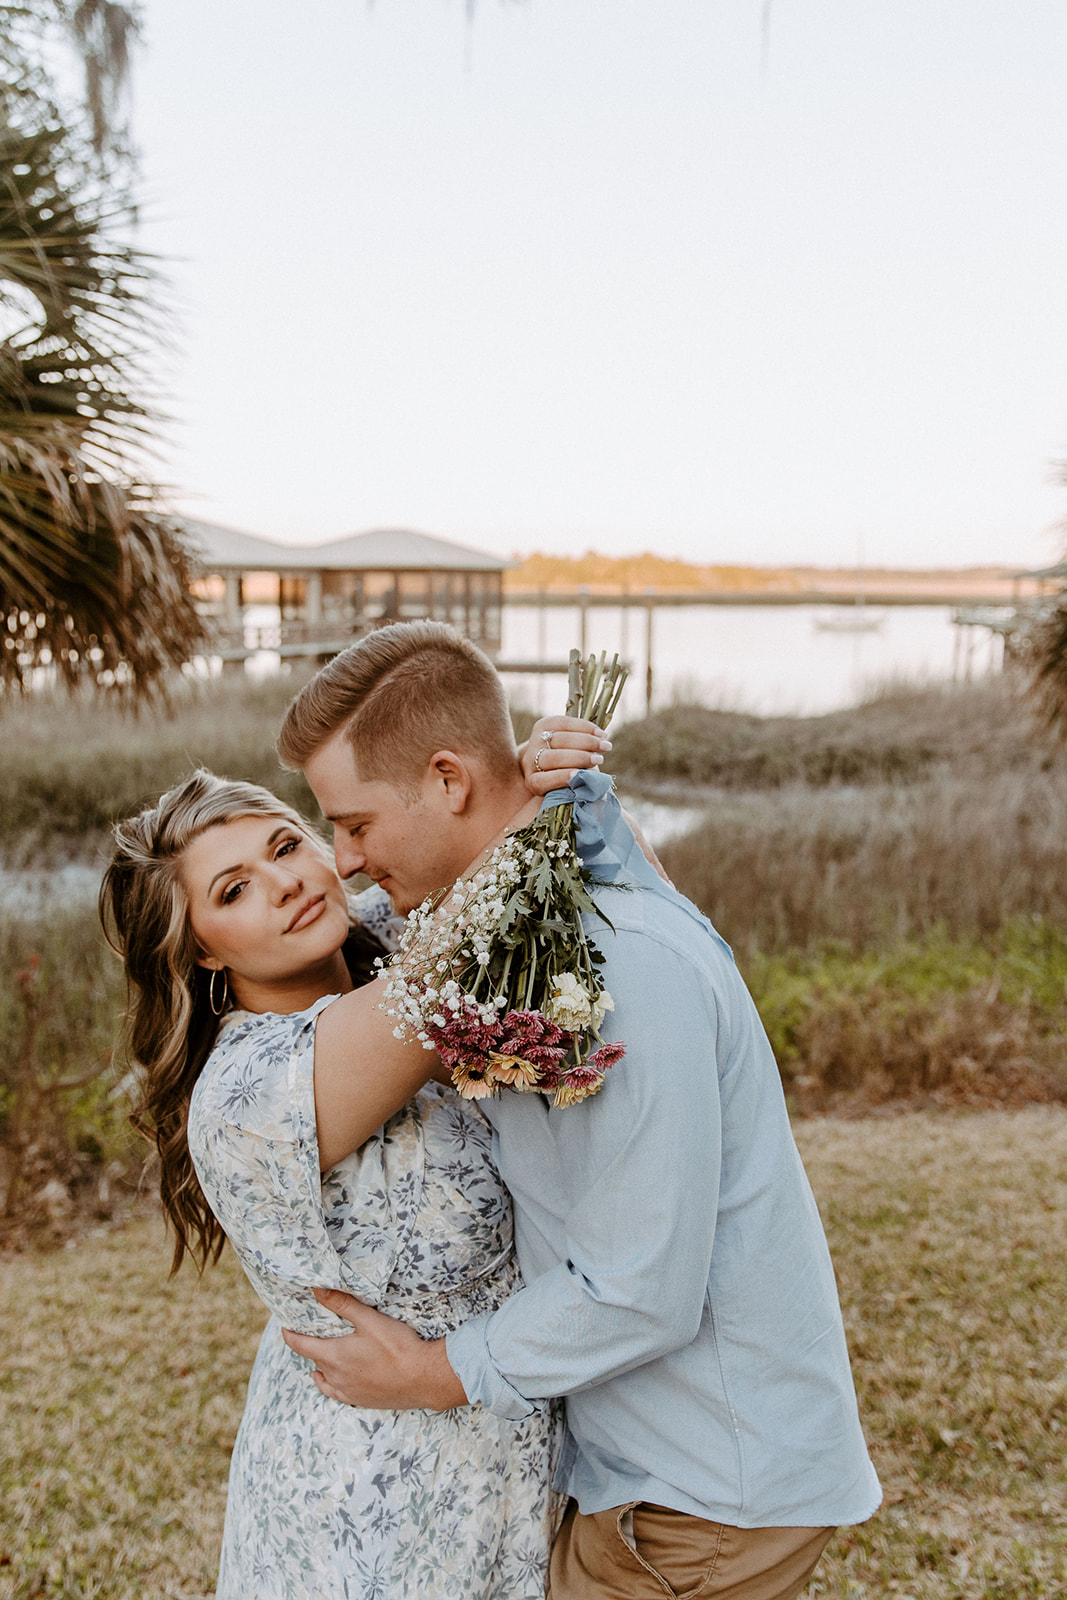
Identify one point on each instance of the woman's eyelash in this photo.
(230, 893)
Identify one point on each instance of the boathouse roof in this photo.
(379, 550)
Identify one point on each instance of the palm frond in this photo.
(93, 584)
(1046, 660)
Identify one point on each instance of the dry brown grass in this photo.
(949, 1234)
(868, 866)
(120, 1395)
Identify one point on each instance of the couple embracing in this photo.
(594, 1348)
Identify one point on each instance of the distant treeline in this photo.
(647, 571)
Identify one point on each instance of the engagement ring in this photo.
(546, 739)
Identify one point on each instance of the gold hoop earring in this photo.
(218, 1009)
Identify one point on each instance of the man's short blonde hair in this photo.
(399, 695)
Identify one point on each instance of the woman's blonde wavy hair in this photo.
(170, 1026)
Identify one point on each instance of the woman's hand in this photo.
(558, 747)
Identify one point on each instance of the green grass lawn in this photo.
(120, 1393)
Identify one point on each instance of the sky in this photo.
(616, 274)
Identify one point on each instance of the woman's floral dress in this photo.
(326, 1500)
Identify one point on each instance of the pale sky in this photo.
(592, 273)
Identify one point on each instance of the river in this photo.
(794, 660)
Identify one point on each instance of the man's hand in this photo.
(382, 1364)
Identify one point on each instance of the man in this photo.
(679, 1292)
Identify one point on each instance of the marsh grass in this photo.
(899, 734)
(120, 1393)
(868, 866)
(72, 766)
(931, 1020)
(65, 1153)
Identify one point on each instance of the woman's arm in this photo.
(363, 1073)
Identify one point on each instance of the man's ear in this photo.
(451, 779)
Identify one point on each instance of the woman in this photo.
(290, 1119)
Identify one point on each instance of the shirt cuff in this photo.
(467, 1348)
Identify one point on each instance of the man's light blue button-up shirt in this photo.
(679, 1291)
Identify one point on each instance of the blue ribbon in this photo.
(604, 841)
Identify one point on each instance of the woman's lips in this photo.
(308, 913)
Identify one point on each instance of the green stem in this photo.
(574, 685)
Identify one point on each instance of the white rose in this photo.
(570, 1004)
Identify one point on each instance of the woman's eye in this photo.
(287, 846)
(230, 893)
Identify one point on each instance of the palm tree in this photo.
(1045, 647)
(92, 581)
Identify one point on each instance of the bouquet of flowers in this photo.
(497, 974)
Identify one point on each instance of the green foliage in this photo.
(961, 1020)
(1044, 649)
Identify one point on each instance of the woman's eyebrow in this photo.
(225, 873)
(240, 866)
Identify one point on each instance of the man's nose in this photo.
(350, 858)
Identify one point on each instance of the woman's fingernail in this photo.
(597, 758)
(605, 744)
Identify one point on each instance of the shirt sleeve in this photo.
(640, 1163)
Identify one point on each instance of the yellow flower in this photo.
(513, 1070)
(472, 1080)
(574, 1090)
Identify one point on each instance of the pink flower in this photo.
(531, 1035)
(607, 1055)
(464, 1035)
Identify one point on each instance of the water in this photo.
(772, 660)
(660, 822)
(764, 659)
(27, 891)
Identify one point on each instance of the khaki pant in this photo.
(683, 1557)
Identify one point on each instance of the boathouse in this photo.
(328, 594)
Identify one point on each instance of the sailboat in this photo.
(850, 619)
(855, 618)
